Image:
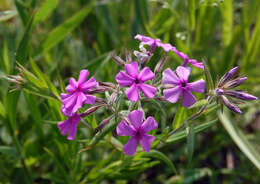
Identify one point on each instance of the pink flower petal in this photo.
(130, 147)
(169, 77)
(197, 86)
(149, 124)
(136, 118)
(145, 39)
(196, 63)
(123, 129)
(80, 99)
(188, 99)
(183, 73)
(166, 46)
(73, 83)
(132, 69)
(148, 90)
(132, 93)
(172, 95)
(146, 142)
(90, 99)
(69, 125)
(146, 74)
(63, 127)
(70, 101)
(124, 79)
(89, 84)
(64, 96)
(83, 76)
(70, 88)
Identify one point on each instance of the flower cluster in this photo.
(138, 82)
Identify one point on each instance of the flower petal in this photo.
(63, 127)
(132, 69)
(69, 101)
(149, 124)
(183, 73)
(172, 95)
(188, 99)
(83, 76)
(132, 93)
(145, 39)
(136, 118)
(146, 142)
(166, 46)
(90, 99)
(196, 63)
(73, 83)
(89, 84)
(233, 107)
(80, 99)
(169, 77)
(70, 88)
(123, 79)
(69, 125)
(123, 129)
(130, 147)
(146, 74)
(197, 86)
(148, 90)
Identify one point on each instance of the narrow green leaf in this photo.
(159, 155)
(11, 106)
(23, 48)
(2, 110)
(180, 116)
(6, 58)
(190, 142)
(22, 11)
(60, 32)
(9, 151)
(182, 134)
(47, 7)
(191, 7)
(209, 81)
(240, 139)
(226, 9)
(6, 15)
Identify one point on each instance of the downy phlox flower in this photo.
(225, 89)
(69, 126)
(131, 78)
(179, 86)
(78, 94)
(138, 131)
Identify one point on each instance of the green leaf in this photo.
(47, 7)
(226, 10)
(22, 11)
(182, 134)
(190, 142)
(11, 106)
(191, 7)
(6, 15)
(60, 32)
(209, 81)
(9, 151)
(6, 58)
(240, 139)
(159, 155)
(180, 116)
(23, 48)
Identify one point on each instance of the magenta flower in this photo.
(168, 47)
(78, 94)
(179, 86)
(137, 130)
(135, 81)
(69, 126)
(153, 43)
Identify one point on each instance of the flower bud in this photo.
(107, 84)
(104, 123)
(91, 110)
(230, 105)
(228, 76)
(118, 60)
(234, 83)
(240, 95)
(159, 66)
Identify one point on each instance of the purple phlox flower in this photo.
(153, 43)
(69, 126)
(131, 78)
(138, 131)
(225, 89)
(78, 94)
(178, 83)
(168, 47)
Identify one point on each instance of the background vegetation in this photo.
(55, 39)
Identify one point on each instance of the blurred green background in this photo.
(55, 39)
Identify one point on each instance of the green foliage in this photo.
(51, 40)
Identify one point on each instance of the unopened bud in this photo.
(228, 76)
(230, 105)
(104, 123)
(100, 100)
(112, 98)
(91, 110)
(128, 57)
(118, 60)
(99, 89)
(234, 83)
(240, 95)
(107, 84)
(160, 64)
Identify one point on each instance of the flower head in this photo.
(135, 81)
(178, 83)
(138, 131)
(78, 94)
(69, 126)
(225, 89)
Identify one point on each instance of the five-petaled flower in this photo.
(135, 81)
(78, 94)
(138, 131)
(225, 89)
(69, 126)
(178, 85)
